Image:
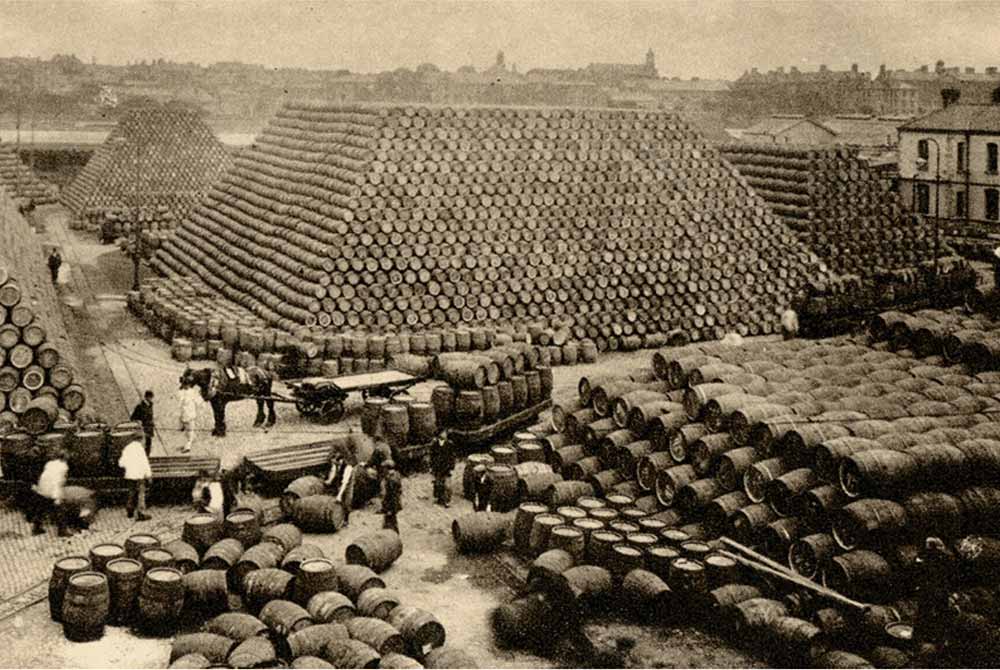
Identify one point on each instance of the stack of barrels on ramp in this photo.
(611, 223)
(92, 449)
(238, 594)
(835, 459)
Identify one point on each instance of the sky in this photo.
(707, 38)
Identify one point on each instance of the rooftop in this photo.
(780, 123)
(959, 117)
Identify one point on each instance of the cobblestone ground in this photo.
(26, 560)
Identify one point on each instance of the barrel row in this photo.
(91, 449)
(19, 180)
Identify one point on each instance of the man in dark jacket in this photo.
(143, 413)
(392, 499)
(55, 262)
(442, 463)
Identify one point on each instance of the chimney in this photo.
(970, 70)
(991, 70)
(822, 68)
(881, 70)
(854, 68)
(939, 67)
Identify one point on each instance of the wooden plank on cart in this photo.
(287, 463)
(385, 378)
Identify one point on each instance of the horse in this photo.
(219, 386)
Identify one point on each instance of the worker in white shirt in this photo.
(189, 397)
(341, 480)
(137, 471)
(207, 495)
(789, 324)
(49, 491)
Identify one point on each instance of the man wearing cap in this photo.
(341, 480)
(392, 499)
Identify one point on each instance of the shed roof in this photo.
(959, 118)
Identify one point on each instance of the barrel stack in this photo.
(837, 459)
(19, 181)
(153, 167)
(851, 218)
(610, 225)
(37, 383)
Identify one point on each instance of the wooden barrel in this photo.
(330, 607)
(39, 415)
(212, 646)
(377, 634)
(318, 514)
(312, 641)
(396, 424)
(85, 606)
(264, 585)
(243, 525)
(420, 629)
(294, 559)
(236, 626)
(422, 422)
(859, 574)
(300, 488)
(201, 531)
(315, 575)
(161, 599)
(759, 475)
(376, 602)
(781, 492)
(254, 652)
(468, 411)
(138, 543)
(523, 519)
(756, 614)
(351, 654)
(125, 578)
(206, 592)
(461, 371)
(548, 566)
(443, 400)
(809, 554)
(687, 576)
(502, 482)
(223, 555)
(372, 416)
(377, 550)
(62, 570)
(864, 521)
(285, 617)
(156, 557)
(355, 579)
(102, 554)
(257, 557)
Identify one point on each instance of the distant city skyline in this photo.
(708, 39)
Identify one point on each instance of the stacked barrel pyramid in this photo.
(18, 179)
(155, 158)
(839, 208)
(388, 218)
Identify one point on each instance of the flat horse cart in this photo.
(323, 397)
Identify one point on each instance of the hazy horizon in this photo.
(710, 39)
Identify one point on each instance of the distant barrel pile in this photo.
(19, 181)
(612, 224)
(156, 160)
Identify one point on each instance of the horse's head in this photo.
(205, 379)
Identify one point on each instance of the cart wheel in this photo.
(333, 410)
(305, 408)
(364, 394)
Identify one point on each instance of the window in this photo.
(923, 154)
(923, 198)
(960, 152)
(992, 204)
(991, 158)
(961, 204)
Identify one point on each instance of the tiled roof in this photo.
(959, 117)
(778, 124)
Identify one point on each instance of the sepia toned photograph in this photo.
(499, 334)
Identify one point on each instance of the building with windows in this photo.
(948, 166)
